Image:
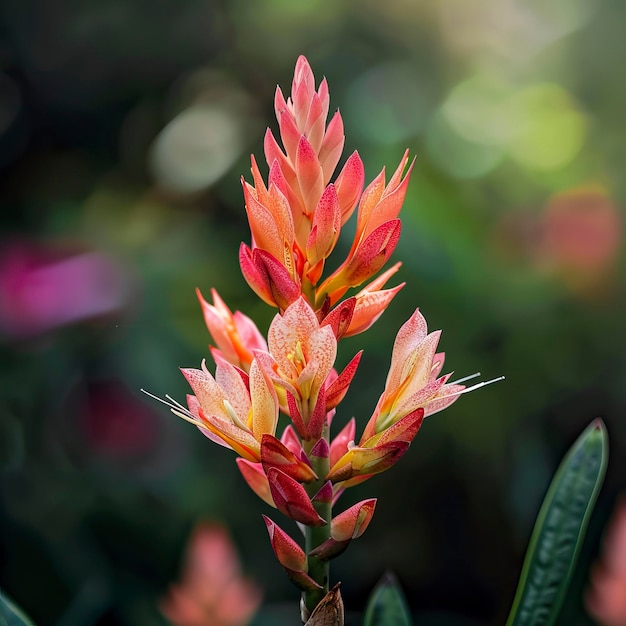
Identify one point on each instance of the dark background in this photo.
(124, 129)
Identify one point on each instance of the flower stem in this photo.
(318, 569)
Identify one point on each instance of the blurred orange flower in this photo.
(606, 597)
(212, 590)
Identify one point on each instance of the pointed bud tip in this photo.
(597, 424)
(320, 449)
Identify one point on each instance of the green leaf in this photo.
(387, 606)
(10, 615)
(559, 530)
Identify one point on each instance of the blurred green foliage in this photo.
(124, 129)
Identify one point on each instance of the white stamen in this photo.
(483, 384)
(175, 402)
(467, 389)
(176, 408)
(462, 380)
(165, 402)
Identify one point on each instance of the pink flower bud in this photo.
(349, 185)
(275, 454)
(291, 499)
(344, 528)
(339, 445)
(268, 277)
(309, 174)
(361, 461)
(287, 551)
(373, 252)
(332, 146)
(338, 389)
(325, 226)
(236, 335)
(353, 522)
(340, 318)
(320, 450)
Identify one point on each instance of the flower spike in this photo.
(295, 215)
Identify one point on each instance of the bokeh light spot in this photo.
(550, 128)
(476, 110)
(196, 148)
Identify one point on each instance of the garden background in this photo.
(125, 127)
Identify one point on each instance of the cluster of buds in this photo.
(295, 221)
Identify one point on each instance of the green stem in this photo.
(315, 536)
(308, 289)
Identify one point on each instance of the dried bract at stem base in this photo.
(329, 612)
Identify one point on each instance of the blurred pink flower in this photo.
(212, 591)
(577, 239)
(42, 288)
(581, 231)
(606, 597)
